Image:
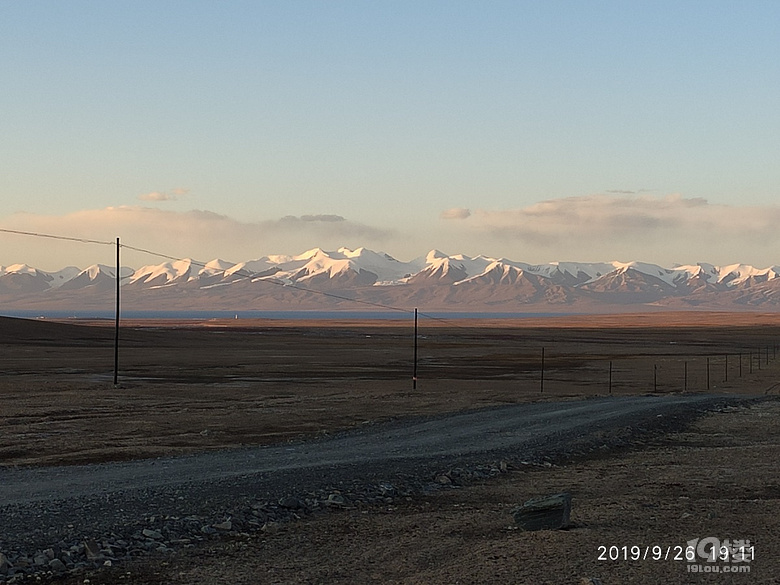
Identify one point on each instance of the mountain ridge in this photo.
(435, 280)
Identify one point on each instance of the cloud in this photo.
(455, 213)
(325, 218)
(172, 195)
(642, 226)
(605, 215)
(156, 196)
(197, 233)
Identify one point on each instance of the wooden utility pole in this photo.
(414, 375)
(116, 317)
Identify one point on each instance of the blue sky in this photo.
(533, 130)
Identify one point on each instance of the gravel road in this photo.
(129, 508)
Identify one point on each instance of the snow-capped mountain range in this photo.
(436, 281)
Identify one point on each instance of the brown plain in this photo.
(187, 387)
(191, 386)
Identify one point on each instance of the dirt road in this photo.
(54, 506)
(518, 430)
(333, 424)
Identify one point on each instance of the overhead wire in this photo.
(259, 276)
(54, 237)
(252, 276)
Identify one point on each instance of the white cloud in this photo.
(455, 213)
(172, 195)
(610, 215)
(197, 233)
(653, 228)
(156, 196)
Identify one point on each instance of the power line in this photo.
(252, 276)
(53, 237)
(256, 275)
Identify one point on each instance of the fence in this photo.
(553, 361)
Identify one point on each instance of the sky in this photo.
(535, 131)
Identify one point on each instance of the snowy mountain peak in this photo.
(309, 254)
(493, 282)
(21, 269)
(97, 270)
(215, 267)
(434, 255)
(162, 274)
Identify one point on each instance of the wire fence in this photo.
(526, 360)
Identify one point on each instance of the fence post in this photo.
(655, 377)
(708, 373)
(610, 377)
(541, 378)
(685, 369)
(727, 368)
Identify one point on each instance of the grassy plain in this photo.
(186, 387)
(198, 385)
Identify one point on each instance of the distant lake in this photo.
(206, 315)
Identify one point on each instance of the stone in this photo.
(546, 513)
(153, 534)
(57, 566)
(226, 526)
(443, 479)
(4, 564)
(92, 550)
(290, 503)
(336, 500)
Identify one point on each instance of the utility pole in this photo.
(414, 375)
(116, 317)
